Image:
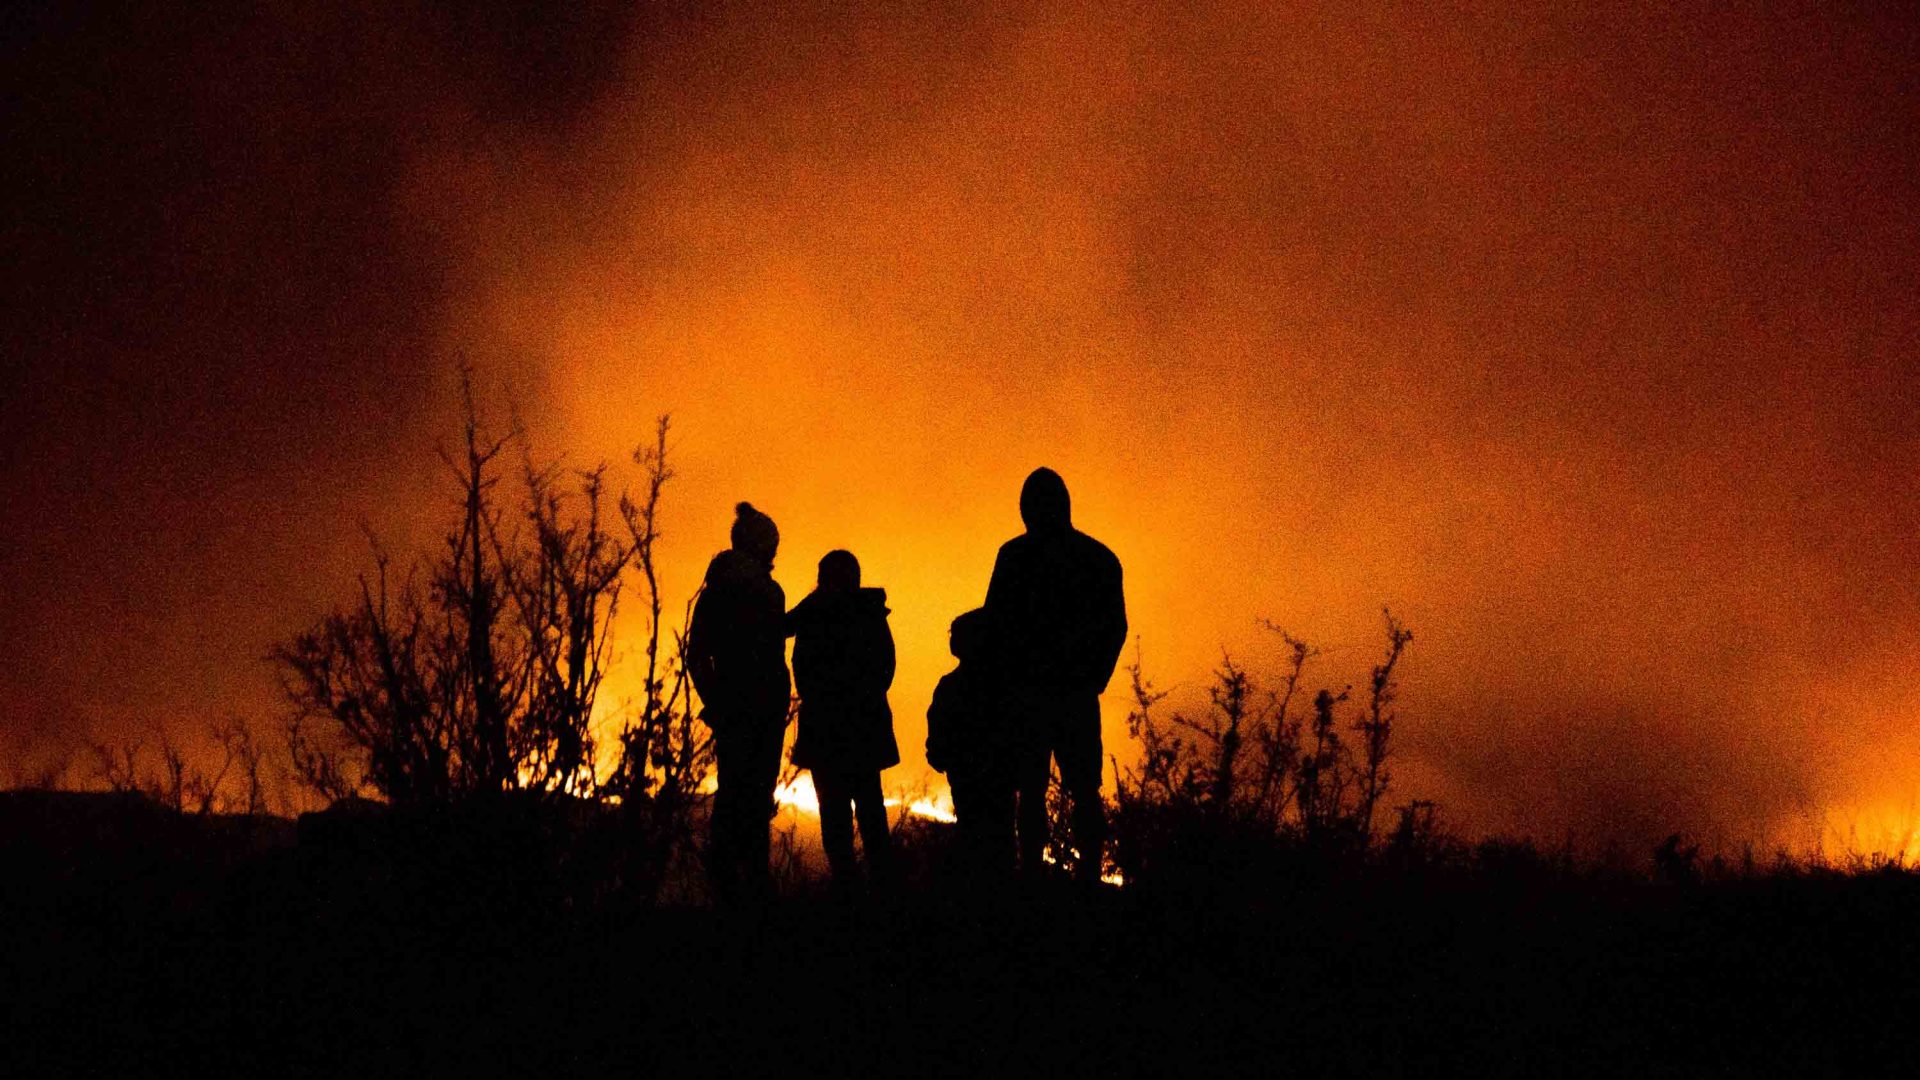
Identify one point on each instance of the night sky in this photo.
(1586, 341)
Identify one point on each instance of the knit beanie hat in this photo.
(754, 531)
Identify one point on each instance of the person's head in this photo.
(1044, 505)
(839, 572)
(754, 534)
(967, 638)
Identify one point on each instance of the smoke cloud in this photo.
(1583, 341)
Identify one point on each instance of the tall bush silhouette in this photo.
(1249, 767)
(665, 754)
(477, 671)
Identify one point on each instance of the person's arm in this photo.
(1113, 626)
(886, 658)
(700, 646)
(939, 718)
(1000, 585)
(790, 622)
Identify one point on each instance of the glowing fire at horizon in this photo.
(798, 794)
(1888, 831)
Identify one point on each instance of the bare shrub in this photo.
(240, 759)
(666, 753)
(1249, 767)
(179, 781)
(117, 765)
(475, 672)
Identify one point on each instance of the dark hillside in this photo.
(176, 944)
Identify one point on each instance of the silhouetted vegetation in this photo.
(489, 888)
(474, 672)
(1256, 778)
(145, 939)
(474, 676)
(169, 777)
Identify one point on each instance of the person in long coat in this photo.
(842, 667)
(737, 655)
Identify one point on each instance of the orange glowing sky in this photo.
(1584, 341)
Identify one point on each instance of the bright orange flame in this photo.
(798, 794)
(1888, 831)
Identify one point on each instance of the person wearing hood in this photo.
(737, 656)
(842, 667)
(1057, 607)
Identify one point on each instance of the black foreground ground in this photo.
(216, 949)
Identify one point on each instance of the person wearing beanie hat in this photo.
(755, 533)
(1060, 616)
(737, 656)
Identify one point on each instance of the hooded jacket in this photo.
(736, 651)
(842, 667)
(1055, 597)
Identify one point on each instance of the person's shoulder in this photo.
(949, 697)
(804, 611)
(1016, 547)
(958, 690)
(1095, 550)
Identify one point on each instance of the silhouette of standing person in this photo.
(842, 667)
(737, 655)
(968, 739)
(1055, 601)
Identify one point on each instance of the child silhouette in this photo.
(968, 739)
